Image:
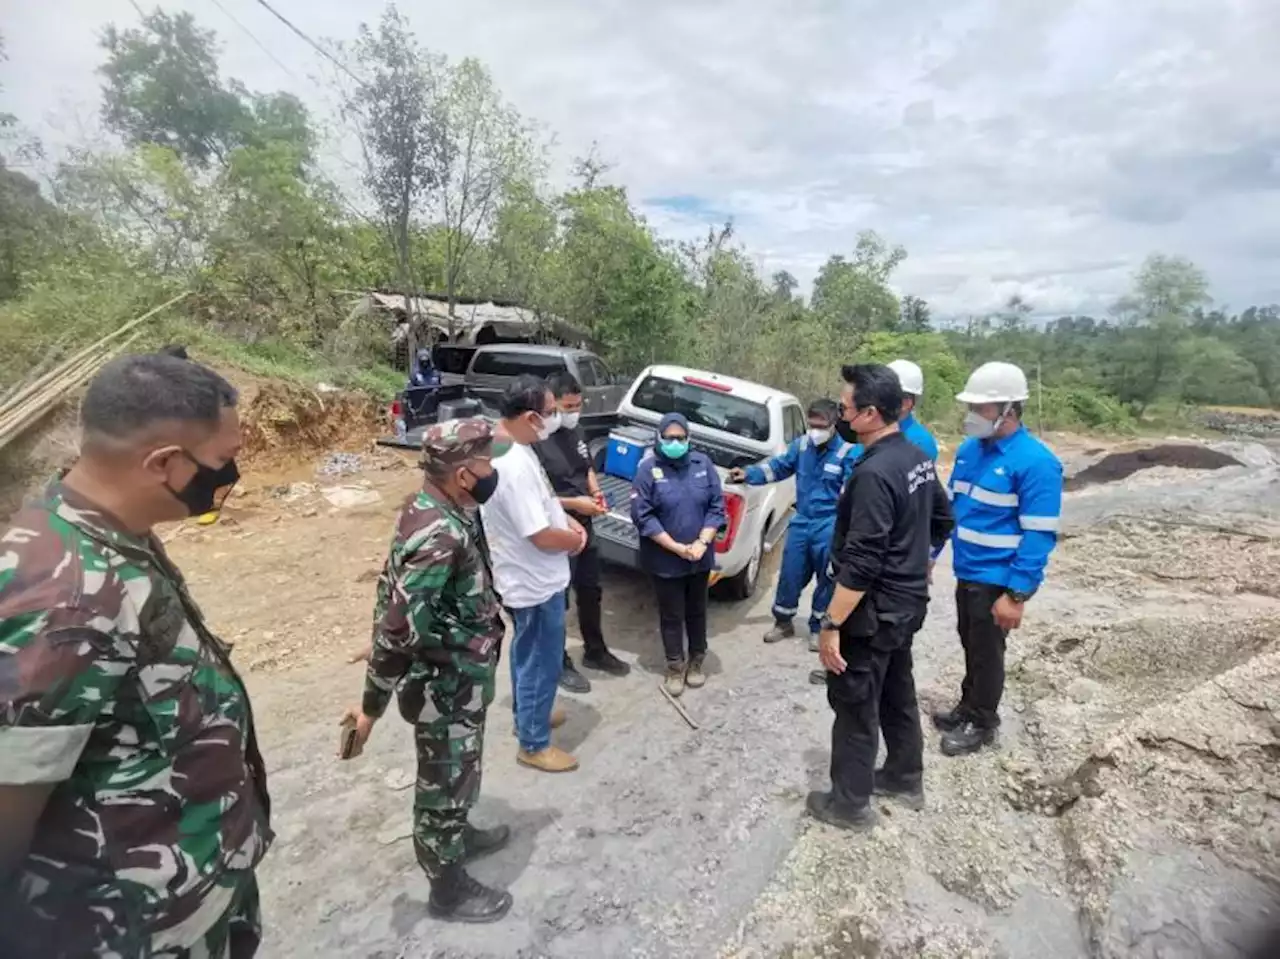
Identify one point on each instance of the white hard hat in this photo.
(995, 383)
(910, 376)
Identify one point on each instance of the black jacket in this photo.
(564, 456)
(891, 514)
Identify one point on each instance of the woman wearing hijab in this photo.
(678, 507)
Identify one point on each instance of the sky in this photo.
(1037, 147)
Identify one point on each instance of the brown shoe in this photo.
(673, 683)
(558, 719)
(694, 677)
(550, 760)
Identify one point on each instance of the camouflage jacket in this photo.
(436, 608)
(114, 692)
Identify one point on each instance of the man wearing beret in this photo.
(437, 629)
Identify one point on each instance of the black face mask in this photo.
(209, 488)
(846, 432)
(485, 485)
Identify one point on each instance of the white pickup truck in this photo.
(735, 423)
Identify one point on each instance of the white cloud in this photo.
(1033, 146)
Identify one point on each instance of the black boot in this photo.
(456, 897)
(826, 808)
(571, 680)
(604, 661)
(949, 719)
(908, 790)
(969, 738)
(481, 842)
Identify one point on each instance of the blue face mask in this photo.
(674, 449)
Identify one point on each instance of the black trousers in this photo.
(584, 570)
(984, 646)
(682, 610)
(876, 692)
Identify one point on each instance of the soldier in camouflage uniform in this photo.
(133, 799)
(436, 635)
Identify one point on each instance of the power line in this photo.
(249, 33)
(311, 43)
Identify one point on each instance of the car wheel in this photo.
(743, 586)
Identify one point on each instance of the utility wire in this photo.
(311, 43)
(249, 33)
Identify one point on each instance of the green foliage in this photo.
(216, 192)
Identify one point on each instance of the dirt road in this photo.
(1101, 826)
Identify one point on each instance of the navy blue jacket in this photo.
(682, 498)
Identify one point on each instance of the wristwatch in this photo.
(829, 624)
(1018, 597)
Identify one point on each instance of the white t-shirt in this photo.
(523, 504)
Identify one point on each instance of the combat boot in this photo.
(673, 682)
(694, 677)
(481, 842)
(949, 719)
(969, 738)
(456, 897)
(824, 807)
(908, 790)
(783, 629)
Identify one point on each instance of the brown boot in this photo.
(694, 677)
(558, 719)
(550, 760)
(673, 683)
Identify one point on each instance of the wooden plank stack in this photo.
(45, 389)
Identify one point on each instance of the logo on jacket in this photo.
(657, 472)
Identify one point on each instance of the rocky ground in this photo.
(1129, 811)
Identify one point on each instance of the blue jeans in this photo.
(537, 655)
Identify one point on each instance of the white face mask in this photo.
(978, 426)
(569, 421)
(549, 426)
(820, 437)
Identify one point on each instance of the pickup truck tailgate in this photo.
(616, 524)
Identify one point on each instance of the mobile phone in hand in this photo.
(347, 739)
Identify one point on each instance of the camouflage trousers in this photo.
(449, 739)
(235, 935)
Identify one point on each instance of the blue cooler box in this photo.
(627, 447)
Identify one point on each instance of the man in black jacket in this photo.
(564, 456)
(892, 512)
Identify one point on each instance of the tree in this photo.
(853, 294)
(398, 111)
(162, 87)
(915, 315)
(1166, 293)
(486, 146)
(784, 286)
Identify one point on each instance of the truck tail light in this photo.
(735, 507)
(397, 409)
(708, 384)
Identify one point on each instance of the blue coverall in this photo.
(820, 473)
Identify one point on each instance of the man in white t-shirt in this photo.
(530, 541)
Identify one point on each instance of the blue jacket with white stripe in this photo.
(1007, 499)
(820, 472)
(914, 431)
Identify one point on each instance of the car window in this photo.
(513, 363)
(717, 409)
(603, 376)
(793, 423)
(587, 372)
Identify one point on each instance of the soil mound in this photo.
(284, 421)
(1118, 466)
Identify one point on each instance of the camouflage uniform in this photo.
(113, 691)
(437, 626)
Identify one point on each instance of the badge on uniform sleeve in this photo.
(657, 472)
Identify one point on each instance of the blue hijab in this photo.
(671, 419)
